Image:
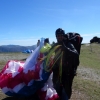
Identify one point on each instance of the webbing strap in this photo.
(60, 67)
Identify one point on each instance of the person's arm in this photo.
(71, 49)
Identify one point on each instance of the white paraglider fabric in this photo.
(21, 79)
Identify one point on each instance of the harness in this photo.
(52, 57)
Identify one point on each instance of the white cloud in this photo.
(28, 41)
(87, 35)
(21, 41)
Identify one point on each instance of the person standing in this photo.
(38, 43)
(70, 53)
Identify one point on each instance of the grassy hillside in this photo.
(86, 85)
(4, 57)
(87, 81)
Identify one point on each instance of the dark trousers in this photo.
(61, 92)
(64, 89)
(67, 84)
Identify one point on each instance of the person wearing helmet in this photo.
(59, 35)
(69, 54)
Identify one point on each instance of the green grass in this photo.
(4, 57)
(89, 59)
(87, 87)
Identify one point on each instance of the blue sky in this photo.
(23, 22)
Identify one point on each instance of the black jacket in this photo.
(70, 58)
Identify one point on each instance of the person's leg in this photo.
(67, 84)
(64, 95)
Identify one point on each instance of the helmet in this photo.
(60, 31)
(46, 40)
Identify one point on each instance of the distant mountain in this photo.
(15, 48)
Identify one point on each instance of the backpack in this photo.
(75, 39)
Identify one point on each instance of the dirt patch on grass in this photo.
(77, 95)
(89, 74)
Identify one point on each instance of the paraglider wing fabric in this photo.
(22, 79)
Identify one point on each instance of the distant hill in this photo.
(15, 48)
